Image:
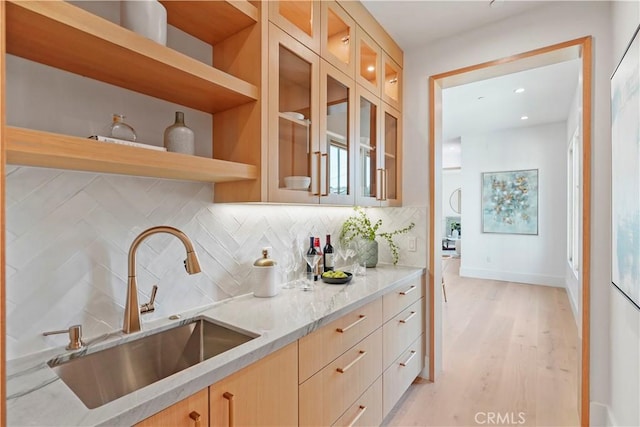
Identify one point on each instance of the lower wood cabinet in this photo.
(262, 394)
(190, 412)
(366, 411)
(398, 377)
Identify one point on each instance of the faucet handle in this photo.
(148, 307)
(75, 336)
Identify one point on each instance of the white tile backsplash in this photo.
(68, 235)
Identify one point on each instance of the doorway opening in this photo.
(574, 49)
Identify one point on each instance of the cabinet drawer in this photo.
(401, 331)
(401, 298)
(367, 410)
(399, 376)
(324, 345)
(326, 395)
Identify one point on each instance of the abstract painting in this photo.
(625, 174)
(510, 202)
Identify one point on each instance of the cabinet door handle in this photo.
(229, 397)
(346, 368)
(346, 328)
(384, 185)
(379, 185)
(360, 413)
(411, 289)
(413, 313)
(195, 416)
(318, 174)
(324, 181)
(406, 362)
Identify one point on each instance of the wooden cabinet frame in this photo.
(349, 67)
(362, 38)
(312, 41)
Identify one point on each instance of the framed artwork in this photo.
(625, 174)
(510, 202)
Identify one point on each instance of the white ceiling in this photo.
(548, 90)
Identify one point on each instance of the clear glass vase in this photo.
(120, 129)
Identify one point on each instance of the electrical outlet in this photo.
(412, 244)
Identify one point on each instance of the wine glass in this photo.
(312, 260)
(345, 251)
(289, 265)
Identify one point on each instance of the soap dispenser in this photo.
(264, 276)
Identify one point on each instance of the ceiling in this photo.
(548, 90)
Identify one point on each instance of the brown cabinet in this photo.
(338, 38)
(190, 412)
(300, 19)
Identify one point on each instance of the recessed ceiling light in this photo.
(524, 118)
(371, 68)
(519, 90)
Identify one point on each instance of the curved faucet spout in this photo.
(192, 265)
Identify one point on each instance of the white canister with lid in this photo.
(265, 282)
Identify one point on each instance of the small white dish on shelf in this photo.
(294, 115)
(297, 182)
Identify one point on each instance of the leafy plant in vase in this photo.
(358, 226)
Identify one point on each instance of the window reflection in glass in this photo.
(338, 136)
(368, 142)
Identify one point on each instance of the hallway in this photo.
(510, 358)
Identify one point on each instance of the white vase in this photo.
(145, 17)
(178, 138)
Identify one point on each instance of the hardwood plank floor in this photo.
(509, 357)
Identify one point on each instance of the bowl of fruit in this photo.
(336, 277)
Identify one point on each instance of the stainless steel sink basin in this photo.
(106, 375)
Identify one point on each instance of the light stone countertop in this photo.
(37, 397)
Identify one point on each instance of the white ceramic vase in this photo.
(145, 17)
(178, 138)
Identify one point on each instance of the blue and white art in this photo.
(625, 191)
(510, 202)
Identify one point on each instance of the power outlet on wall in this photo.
(412, 244)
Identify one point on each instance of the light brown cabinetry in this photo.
(64, 36)
(190, 412)
(368, 62)
(300, 19)
(338, 38)
(367, 409)
(264, 393)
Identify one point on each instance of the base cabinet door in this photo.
(399, 376)
(366, 411)
(262, 394)
(190, 412)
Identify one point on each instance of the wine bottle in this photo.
(319, 264)
(328, 255)
(311, 251)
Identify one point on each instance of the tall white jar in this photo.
(145, 17)
(179, 138)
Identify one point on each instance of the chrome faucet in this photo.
(131, 308)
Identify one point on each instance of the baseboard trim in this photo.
(507, 276)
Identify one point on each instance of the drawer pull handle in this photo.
(229, 397)
(360, 413)
(413, 313)
(195, 417)
(346, 368)
(346, 328)
(406, 362)
(411, 289)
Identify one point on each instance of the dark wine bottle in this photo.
(319, 265)
(329, 261)
(311, 251)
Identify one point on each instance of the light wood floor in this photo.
(508, 349)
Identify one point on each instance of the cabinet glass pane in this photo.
(299, 13)
(391, 83)
(294, 100)
(338, 136)
(368, 61)
(338, 37)
(390, 155)
(368, 142)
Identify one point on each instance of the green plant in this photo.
(359, 225)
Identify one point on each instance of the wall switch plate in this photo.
(412, 244)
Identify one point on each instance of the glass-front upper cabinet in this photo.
(338, 37)
(368, 60)
(391, 157)
(336, 136)
(294, 152)
(299, 18)
(368, 168)
(392, 83)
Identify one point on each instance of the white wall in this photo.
(623, 323)
(514, 257)
(552, 23)
(451, 181)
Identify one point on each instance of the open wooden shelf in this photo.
(64, 36)
(194, 17)
(44, 149)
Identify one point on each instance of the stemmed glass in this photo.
(345, 251)
(289, 265)
(312, 260)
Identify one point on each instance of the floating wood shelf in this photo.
(64, 36)
(44, 149)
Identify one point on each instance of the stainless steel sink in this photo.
(106, 375)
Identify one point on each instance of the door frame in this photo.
(573, 49)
